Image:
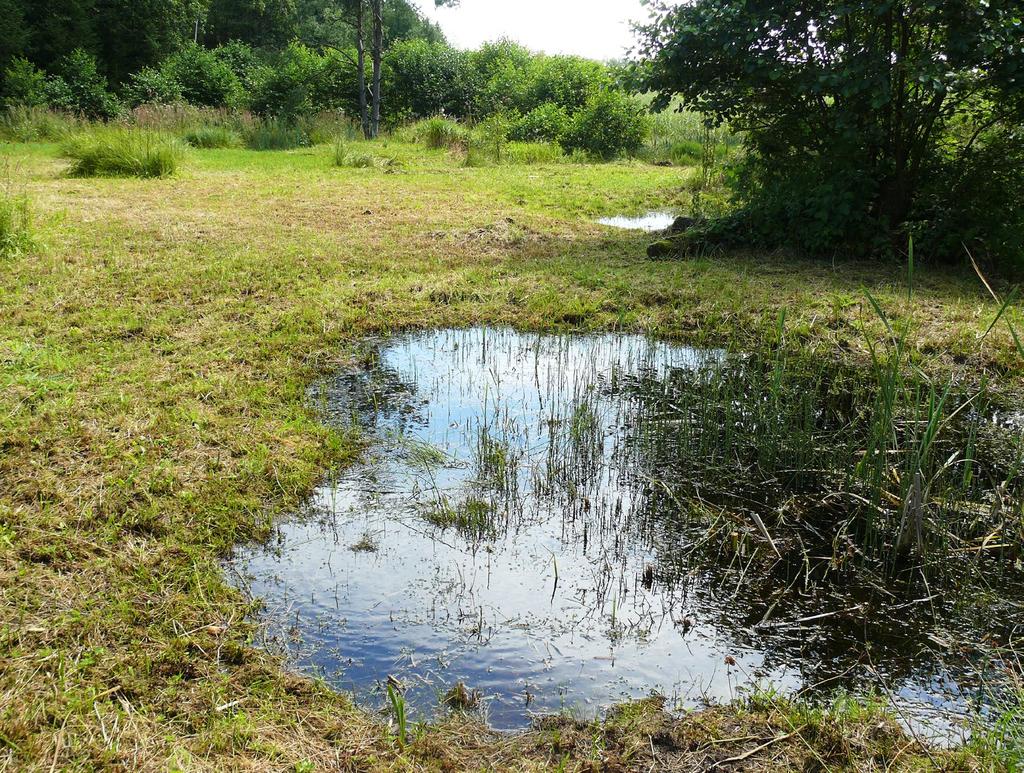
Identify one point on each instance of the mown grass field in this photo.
(155, 350)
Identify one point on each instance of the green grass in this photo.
(213, 137)
(274, 134)
(154, 367)
(120, 152)
(16, 234)
(354, 156)
(35, 124)
(439, 133)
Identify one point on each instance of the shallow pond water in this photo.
(510, 529)
(651, 221)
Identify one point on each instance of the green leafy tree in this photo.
(24, 84)
(204, 79)
(13, 32)
(132, 34)
(851, 109)
(269, 23)
(58, 27)
(79, 87)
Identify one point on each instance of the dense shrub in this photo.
(151, 86)
(505, 87)
(975, 203)
(611, 123)
(566, 81)
(868, 136)
(78, 87)
(242, 60)
(334, 85)
(24, 84)
(283, 89)
(425, 79)
(204, 79)
(545, 123)
(107, 151)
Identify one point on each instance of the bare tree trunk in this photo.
(364, 113)
(377, 52)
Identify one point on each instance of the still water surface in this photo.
(510, 530)
(651, 221)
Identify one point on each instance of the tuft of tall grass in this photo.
(353, 158)
(15, 224)
(108, 151)
(275, 134)
(682, 138)
(440, 132)
(329, 126)
(345, 156)
(534, 153)
(213, 137)
(36, 124)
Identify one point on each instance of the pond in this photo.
(543, 520)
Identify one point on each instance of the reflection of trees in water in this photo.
(696, 457)
(373, 397)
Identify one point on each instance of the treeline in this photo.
(382, 62)
(125, 36)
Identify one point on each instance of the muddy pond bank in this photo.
(560, 523)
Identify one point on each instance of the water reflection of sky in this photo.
(651, 221)
(566, 605)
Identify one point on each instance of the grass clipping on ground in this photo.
(154, 362)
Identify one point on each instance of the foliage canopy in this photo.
(866, 118)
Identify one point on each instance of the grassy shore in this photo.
(155, 350)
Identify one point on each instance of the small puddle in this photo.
(652, 221)
(514, 528)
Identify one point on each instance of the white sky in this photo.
(598, 29)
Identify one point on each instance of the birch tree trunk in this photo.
(377, 52)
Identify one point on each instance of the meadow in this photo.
(158, 337)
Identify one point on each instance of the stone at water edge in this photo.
(682, 224)
(674, 246)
